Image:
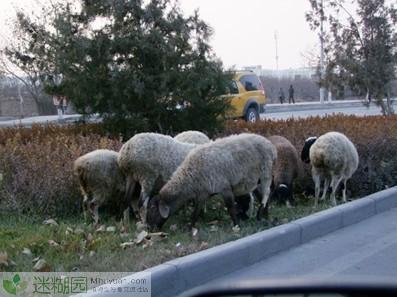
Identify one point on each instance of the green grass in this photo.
(101, 251)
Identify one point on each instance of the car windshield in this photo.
(149, 147)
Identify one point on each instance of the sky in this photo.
(244, 30)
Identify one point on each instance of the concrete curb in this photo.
(182, 274)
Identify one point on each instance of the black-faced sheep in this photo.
(193, 137)
(100, 180)
(229, 166)
(334, 159)
(285, 170)
(145, 158)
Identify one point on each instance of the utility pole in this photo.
(322, 89)
(276, 43)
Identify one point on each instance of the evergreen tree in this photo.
(142, 65)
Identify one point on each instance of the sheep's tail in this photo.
(319, 158)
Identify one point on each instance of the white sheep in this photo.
(194, 137)
(145, 158)
(334, 159)
(286, 169)
(228, 166)
(100, 180)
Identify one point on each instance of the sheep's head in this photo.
(305, 154)
(157, 213)
(282, 194)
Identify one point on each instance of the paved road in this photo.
(360, 111)
(301, 110)
(367, 249)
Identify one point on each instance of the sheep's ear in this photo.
(164, 209)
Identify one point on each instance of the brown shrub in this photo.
(37, 168)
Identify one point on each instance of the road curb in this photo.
(179, 275)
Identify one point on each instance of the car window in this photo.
(233, 88)
(250, 82)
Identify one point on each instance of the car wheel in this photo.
(252, 115)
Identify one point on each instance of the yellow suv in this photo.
(247, 96)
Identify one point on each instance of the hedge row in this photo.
(36, 164)
(37, 167)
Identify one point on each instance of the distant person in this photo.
(281, 95)
(291, 92)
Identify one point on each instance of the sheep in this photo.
(228, 166)
(334, 159)
(146, 157)
(194, 137)
(100, 179)
(285, 170)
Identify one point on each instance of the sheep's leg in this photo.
(344, 190)
(85, 207)
(94, 206)
(251, 206)
(325, 188)
(334, 185)
(196, 211)
(265, 182)
(228, 198)
(317, 186)
(129, 193)
(265, 189)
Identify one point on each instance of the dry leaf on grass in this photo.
(214, 228)
(53, 243)
(36, 259)
(92, 253)
(140, 226)
(124, 245)
(51, 222)
(27, 252)
(69, 231)
(41, 266)
(124, 235)
(90, 238)
(173, 227)
(111, 229)
(158, 234)
(194, 232)
(78, 231)
(147, 244)
(4, 258)
(102, 228)
(204, 245)
(141, 236)
(236, 229)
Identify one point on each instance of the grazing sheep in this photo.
(193, 137)
(334, 159)
(100, 180)
(228, 166)
(285, 170)
(145, 158)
